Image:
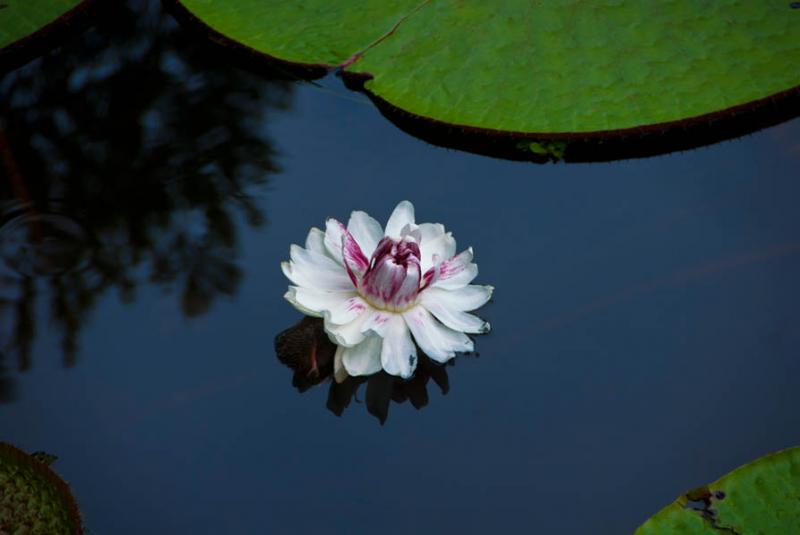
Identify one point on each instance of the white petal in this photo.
(429, 231)
(437, 341)
(366, 231)
(338, 307)
(455, 319)
(315, 241)
(411, 231)
(402, 215)
(443, 245)
(376, 321)
(315, 270)
(291, 296)
(457, 271)
(333, 239)
(364, 358)
(348, 334)
(339, 373)
(398, 354)
(471, 297)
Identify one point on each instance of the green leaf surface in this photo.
(762, 497)
(312, 33)
(33, 499)
(22, 18)
(533, 68)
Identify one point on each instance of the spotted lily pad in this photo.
(33, 499)
(605, 79)
(30, 27)
(760, 497)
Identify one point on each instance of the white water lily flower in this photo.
(379, 292)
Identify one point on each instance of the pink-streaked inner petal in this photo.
(432, 274)
(354, 260)
(384, 281)
(409, 288)
(393, 278)
(366, 231)
(457, 272)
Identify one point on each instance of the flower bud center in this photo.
(393, 277)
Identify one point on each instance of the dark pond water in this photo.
(645, 323)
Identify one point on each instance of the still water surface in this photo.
(645, 323)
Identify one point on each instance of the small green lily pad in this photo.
(33, 499)
(486, 75)
(760, 497)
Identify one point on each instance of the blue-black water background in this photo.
(645, 322)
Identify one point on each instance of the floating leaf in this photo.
(33, 499)
(760, 497)
(613, 78)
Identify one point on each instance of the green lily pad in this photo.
(29, 27)
(33, 499)
(487, 75)
(760, 497)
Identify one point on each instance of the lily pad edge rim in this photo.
(356, 82)
(583, 147)
(16, 54)
(250, 58)
(597, 145)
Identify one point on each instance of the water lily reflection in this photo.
(307, 350)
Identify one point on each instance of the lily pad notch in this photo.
(542, 82)
(48, 25)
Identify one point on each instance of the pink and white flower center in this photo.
(392, 280)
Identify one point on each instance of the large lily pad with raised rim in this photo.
(760, 497)
(33, 499)
(547, 79)
(29, 27)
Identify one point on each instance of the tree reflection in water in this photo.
(130, 154)
(306, 349)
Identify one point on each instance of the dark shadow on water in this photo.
(307, 351)
(130, 155)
